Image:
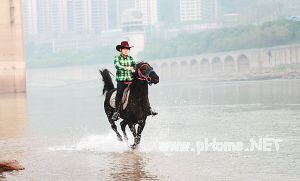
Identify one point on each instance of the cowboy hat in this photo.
(124, 44)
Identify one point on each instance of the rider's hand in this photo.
(130, 68)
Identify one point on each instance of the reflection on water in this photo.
(13, 125)
(129, 166)
(13, 119)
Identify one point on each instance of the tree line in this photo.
(226, 39)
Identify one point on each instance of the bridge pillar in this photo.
(12, 65)
(293, 55)
(285, 52)
(236, 66)
(275, 56)
(298, 54)
(223, 65)
(280, 56)
(258, 60)
(288, 55)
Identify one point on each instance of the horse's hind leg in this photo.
(114, 127)
(132, 129)
(123, 126)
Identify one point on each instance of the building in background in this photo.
(124, 5)
(89, 16)
(209, 11)
(75, 24)
(168, 11)
(99, 14)
(204, 11)
(112, 13)
(79, 16)
(190, 10)
(133, 30)
(30, 19)
(149, 10)
(65, 24)
(116, 10)
(51, 17)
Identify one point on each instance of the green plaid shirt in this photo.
(121, 64)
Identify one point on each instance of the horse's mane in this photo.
(139, 64)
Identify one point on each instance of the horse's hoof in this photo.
(134, 146)
(120, 139)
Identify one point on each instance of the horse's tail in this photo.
(106, 78)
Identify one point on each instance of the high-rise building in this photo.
(209, 11)
(89, 16)
(51, 17)
(149, 10)
(133, 30)
(190, 10)
(116, 9)
(124, 5)
(168, 11)
(30, 18)
(112, 13)
(205, 11)
(79, 16)
(99, 13)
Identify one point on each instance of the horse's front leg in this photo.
(140, 128)
(123, 126)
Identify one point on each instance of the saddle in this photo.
(125, 97)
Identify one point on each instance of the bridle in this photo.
(145, 77)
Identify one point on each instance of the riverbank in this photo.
(286, 72)
(263, 76)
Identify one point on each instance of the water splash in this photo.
(95, 143)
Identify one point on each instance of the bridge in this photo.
(229, 63)
(193, 67)
(12, 65)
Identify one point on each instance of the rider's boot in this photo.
(116, 114)
(151, 112)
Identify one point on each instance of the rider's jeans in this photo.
(120, 89)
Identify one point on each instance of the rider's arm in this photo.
(133, 63)
(118, 65)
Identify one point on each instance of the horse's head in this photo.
(145, 72)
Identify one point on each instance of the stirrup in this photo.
(115, 116)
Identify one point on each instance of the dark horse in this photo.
(138, 105)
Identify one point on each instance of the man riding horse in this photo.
(125, 66)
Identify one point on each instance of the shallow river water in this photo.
(61, 133)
